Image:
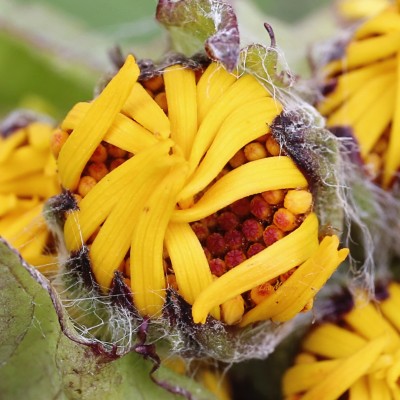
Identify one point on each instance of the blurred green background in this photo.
(53, 52)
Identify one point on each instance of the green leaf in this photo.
(37, 361)
(208, 24)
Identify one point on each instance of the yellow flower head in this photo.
(359, 355)
(181, 185)
(362, 94)
(27, 178)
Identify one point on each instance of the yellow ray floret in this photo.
(349, 83)
(9, 144)
(366, 352)
(366, 51)
(370, 127)
(247, 123)
(331, 341)
(141, 107)
(147, 242)
(244, 181)
(366, 320)
(303, 377)
(180, 88)
(123, 133)
(291, 297)
(114, 238)
(93, 127)
(392, 162)
(276, 259)
(98, 203)
(214, 82)
(347, 372)
(387, 21)
(353, 109)
(244, 90)
(189, 262)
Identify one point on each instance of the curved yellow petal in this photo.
(347, 372)
(291, 297)
(141, 107)
(244, 90)
(180, 88)
(369, 128)
(254, 177)
(90, 132)
(355, 107)
(247, 123)
(303, 377)
(98, 203)
(366, 320)
(351, 81)
(31, 185)
(214, 82)
(331, 341)
(9, 144)
(114, 238)
(24, 161)
(123, 133)
(385, 22)
(188, 261)
(273, 261)
(392, 162)
(146, 257)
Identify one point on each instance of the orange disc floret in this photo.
(190, 188)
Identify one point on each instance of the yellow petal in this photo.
(347, 372)
(302, 377)
(147, 270)
(385, 22)
(258, 176)
(123, 133)
(392, 162)
(244, 90)
(180, 88)
(390, 306)
(359, 390)
(366, 51)
(369, 128)
(39, 135)
(24, 161)
(352, 81)
(114, 238)
(188, 261)
(98, 203)
(16, 227)
(247, 123)
(273, 261)
(378, 388)
(365, 319)
(141, 107)
(8, 202)
(355, 107)
(31, 185)
(291, 297)
(9, 144)
(214, 82)
(84, 139)
(332, 341)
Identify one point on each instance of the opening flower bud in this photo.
(174, 204)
